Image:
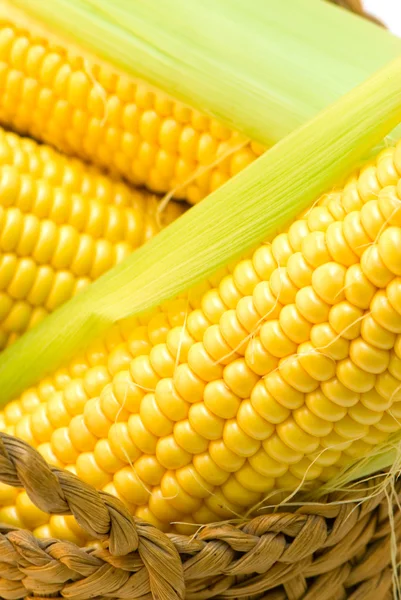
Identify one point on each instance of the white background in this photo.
(388, 11)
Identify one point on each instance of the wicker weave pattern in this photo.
(332, 551)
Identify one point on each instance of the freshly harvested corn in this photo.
(62, 224)
(73, 175)
(93, 112)
(283, 369)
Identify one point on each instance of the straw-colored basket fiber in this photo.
(339, 549)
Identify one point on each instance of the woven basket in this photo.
(332, 551)
(339, 549)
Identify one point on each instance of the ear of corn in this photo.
(280, 371)
(73, 175)
(119, 123)
(62, 225)
(123, 124)
(233, 219)
(263, 70)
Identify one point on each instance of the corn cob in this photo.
(121, 124)
(73, 175)
(54, 240)
(282, 371)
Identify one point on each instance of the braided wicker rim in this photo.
(331, 551)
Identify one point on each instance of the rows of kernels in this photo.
(69, 379)
(40, 199)
(287, 369)
(29, 197)
(71, 174)
(53, 243)
(113, 121)
(15, 421)
(47, 428)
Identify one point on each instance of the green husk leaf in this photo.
(384, 456)
(262, 67)
(246, 210)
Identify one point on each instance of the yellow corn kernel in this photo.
(65, 527)
(31, 516)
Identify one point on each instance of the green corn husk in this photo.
(263, 67)
(383, 457)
